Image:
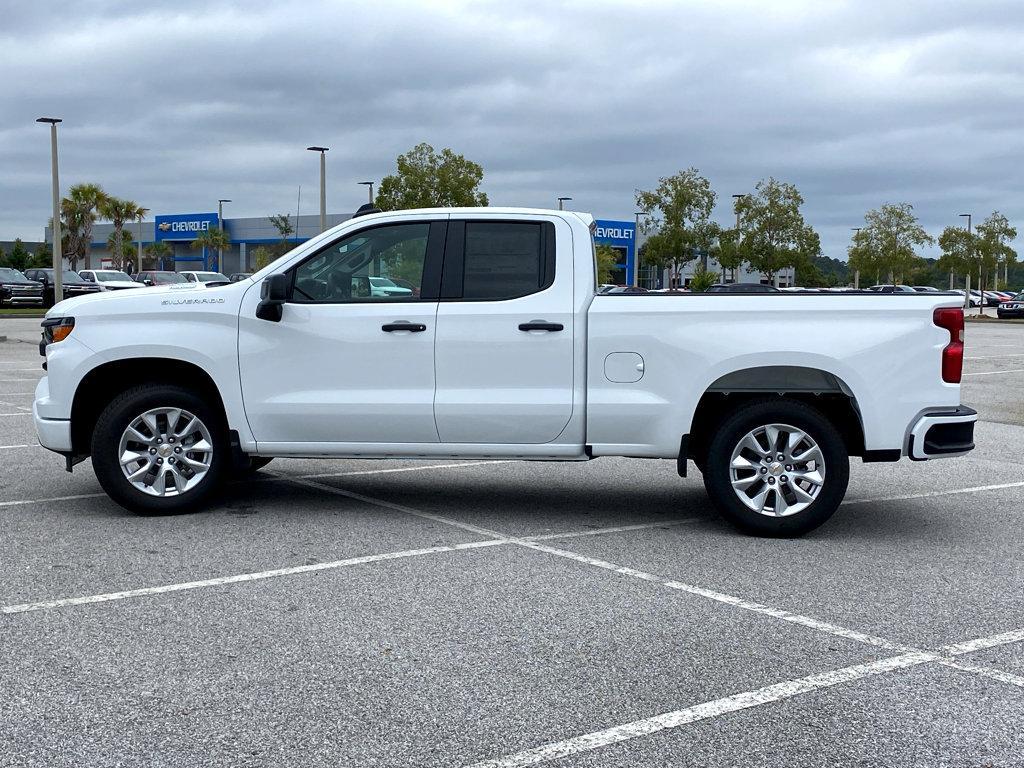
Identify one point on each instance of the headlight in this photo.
(55, 330)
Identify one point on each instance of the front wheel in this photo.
(159, 449)
(777, 469)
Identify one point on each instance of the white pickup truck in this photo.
(500, 347)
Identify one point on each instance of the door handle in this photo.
(540, 325)
(403, 325)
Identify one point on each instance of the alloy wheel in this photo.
(165, 451)
(777, 470)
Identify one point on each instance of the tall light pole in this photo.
(561, 203)
(981, 282)
(58, 257)
(138, 256)
(636, 246)
(323, 186)
(220, 226)
(856, 273)
(737, 197)
(370, 186)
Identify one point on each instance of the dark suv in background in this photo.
(72, 284)
(18, 291)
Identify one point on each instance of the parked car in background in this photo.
(626, 290)
(889, 288)
(975, 299)
(160, 277)
(1013, 308)
(109, 280)
(604, 288)
(743, 288)
(72, 284)
(924, 288)
(237, 276)
(18, 291)
(208, 279)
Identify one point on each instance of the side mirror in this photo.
(273, 295)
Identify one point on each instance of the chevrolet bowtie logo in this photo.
(165, 226)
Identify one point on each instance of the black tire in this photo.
(253, 465)
(718, 481)
(120, 413)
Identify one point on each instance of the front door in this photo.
(504, 357)
(352, 358)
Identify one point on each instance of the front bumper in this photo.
(54, 434)
(1006, 312)
(941, 434)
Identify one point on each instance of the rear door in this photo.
(504, 349)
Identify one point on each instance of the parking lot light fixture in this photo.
(58, 257)
(370, 186)
(561, 203)
(981, 282)
(323, 186)
(220, 226)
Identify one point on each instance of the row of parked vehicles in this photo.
(1008, 304)
(35, 287)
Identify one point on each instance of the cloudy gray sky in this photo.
(857, 103)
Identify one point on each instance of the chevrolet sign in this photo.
(184, 226)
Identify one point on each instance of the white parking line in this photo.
(927, 494)
(557, 750)
(18, 414)
(22, 446)
(235, 578)
(47, 500)
(990, 373)
(613, 529)
(978, 644)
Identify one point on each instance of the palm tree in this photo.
(213, 239)
(158, 251)
(120, 212)
(85, 200)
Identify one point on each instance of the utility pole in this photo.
(856, 273)
(138, 257)
(220, 226)
(323, 186)
(370, 186)
(561, 203)
(981, 278)
(737, 197)
(58, 257)
(636, 247)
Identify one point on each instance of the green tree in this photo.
(120, 212)
(19, 258)
(213, 239)
(894, 234)
(728, 251)
(607, 258)
(43, 257)
(678, 218)
(426, 179)
(993, 245)
(283, 224)
(79, 212)
(125, 256)
(702, 279)
(156, 253)
(775, 235)
(262, 256)
(958, 249)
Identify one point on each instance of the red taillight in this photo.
(952, 319)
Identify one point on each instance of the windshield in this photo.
(11, 275)
(381, 281)
(70, 277)
(208, 277)
(105, 275)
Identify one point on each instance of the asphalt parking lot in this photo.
(425, 613)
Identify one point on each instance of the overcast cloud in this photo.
(857, 103)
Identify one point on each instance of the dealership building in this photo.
(246, 234)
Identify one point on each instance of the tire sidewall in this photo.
(124, 409)
(718, 481)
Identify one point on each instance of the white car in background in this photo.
(387, 287)
(109, 280)
(207, 279)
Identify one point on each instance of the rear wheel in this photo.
(777, 468)
(159, 449)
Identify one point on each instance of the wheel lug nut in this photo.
(789, 468)
(159, 461)
(783, 479)
(177, 449)
(152, 451)
(170, 461)
(764, 470)
(171, 439)
(780, 457)
(771, 481)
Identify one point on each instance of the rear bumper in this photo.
(940, 434)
